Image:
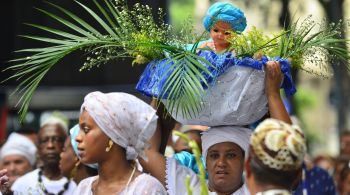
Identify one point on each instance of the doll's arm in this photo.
(273, 79)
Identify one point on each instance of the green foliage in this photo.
(126, 33)
(252, 42)
(197, 154)
(302, 43)
(180, 11)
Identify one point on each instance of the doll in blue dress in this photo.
(236, 94)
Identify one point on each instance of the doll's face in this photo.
(220, 32)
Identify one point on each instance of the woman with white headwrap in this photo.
(114, 131)
(18, 157)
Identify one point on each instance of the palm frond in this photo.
(185, 84)
(125, 33)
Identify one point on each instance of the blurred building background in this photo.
(321, 105)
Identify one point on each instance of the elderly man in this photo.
(18, 156)
(48, 178)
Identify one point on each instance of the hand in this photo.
(208, 44)
(273, 77)
(4, 182)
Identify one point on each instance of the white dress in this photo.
(142, 184)
(175, 180)
(28, 184)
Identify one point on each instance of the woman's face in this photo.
(225, 163)
(92, 142)
(68, 158)
(220, 32)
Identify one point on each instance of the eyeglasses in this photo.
(53, 139)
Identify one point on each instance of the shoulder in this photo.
(87, 181)
(26, 180)
(84, 186)
(147, 184)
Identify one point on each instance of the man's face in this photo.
(16, 165)
(51, 140)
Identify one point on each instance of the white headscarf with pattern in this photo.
(125, 119)
(278, 145)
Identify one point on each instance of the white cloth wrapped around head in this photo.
(278, 145)
(18, 144)
(219, 134)
(125, 119)
(56, 120)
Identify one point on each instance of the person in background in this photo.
(344, 180)
(18, 156)
(345, 144)
(325, 162)
(29, 133)
(276, 154)
(194, 133)
(70, 164)
(47, 179)
(315, 181)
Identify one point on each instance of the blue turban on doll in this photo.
(226, 12)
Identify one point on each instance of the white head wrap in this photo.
(279, 145)
(219, 134)
(127, 120)
(54, 120)
(18, 144)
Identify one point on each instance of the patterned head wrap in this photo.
(18, 144)
(219, 134)
(278, 145)
(225, 12)
(125, 119)
(73, 132)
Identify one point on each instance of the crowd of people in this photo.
(123, 145)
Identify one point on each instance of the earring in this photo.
(77, 163)
(110, 144)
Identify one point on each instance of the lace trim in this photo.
(168, 181)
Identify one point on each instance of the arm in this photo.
(156, 163)
(273, 79)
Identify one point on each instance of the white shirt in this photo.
(274, 192)
(175, 180)
(29, 184)
(142, 184)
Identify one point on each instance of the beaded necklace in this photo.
(65, 186)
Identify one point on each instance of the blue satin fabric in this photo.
(157, 71)
(188, 160)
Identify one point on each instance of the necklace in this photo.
(93, 189)
(65, 186)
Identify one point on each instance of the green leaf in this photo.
(99, 20)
